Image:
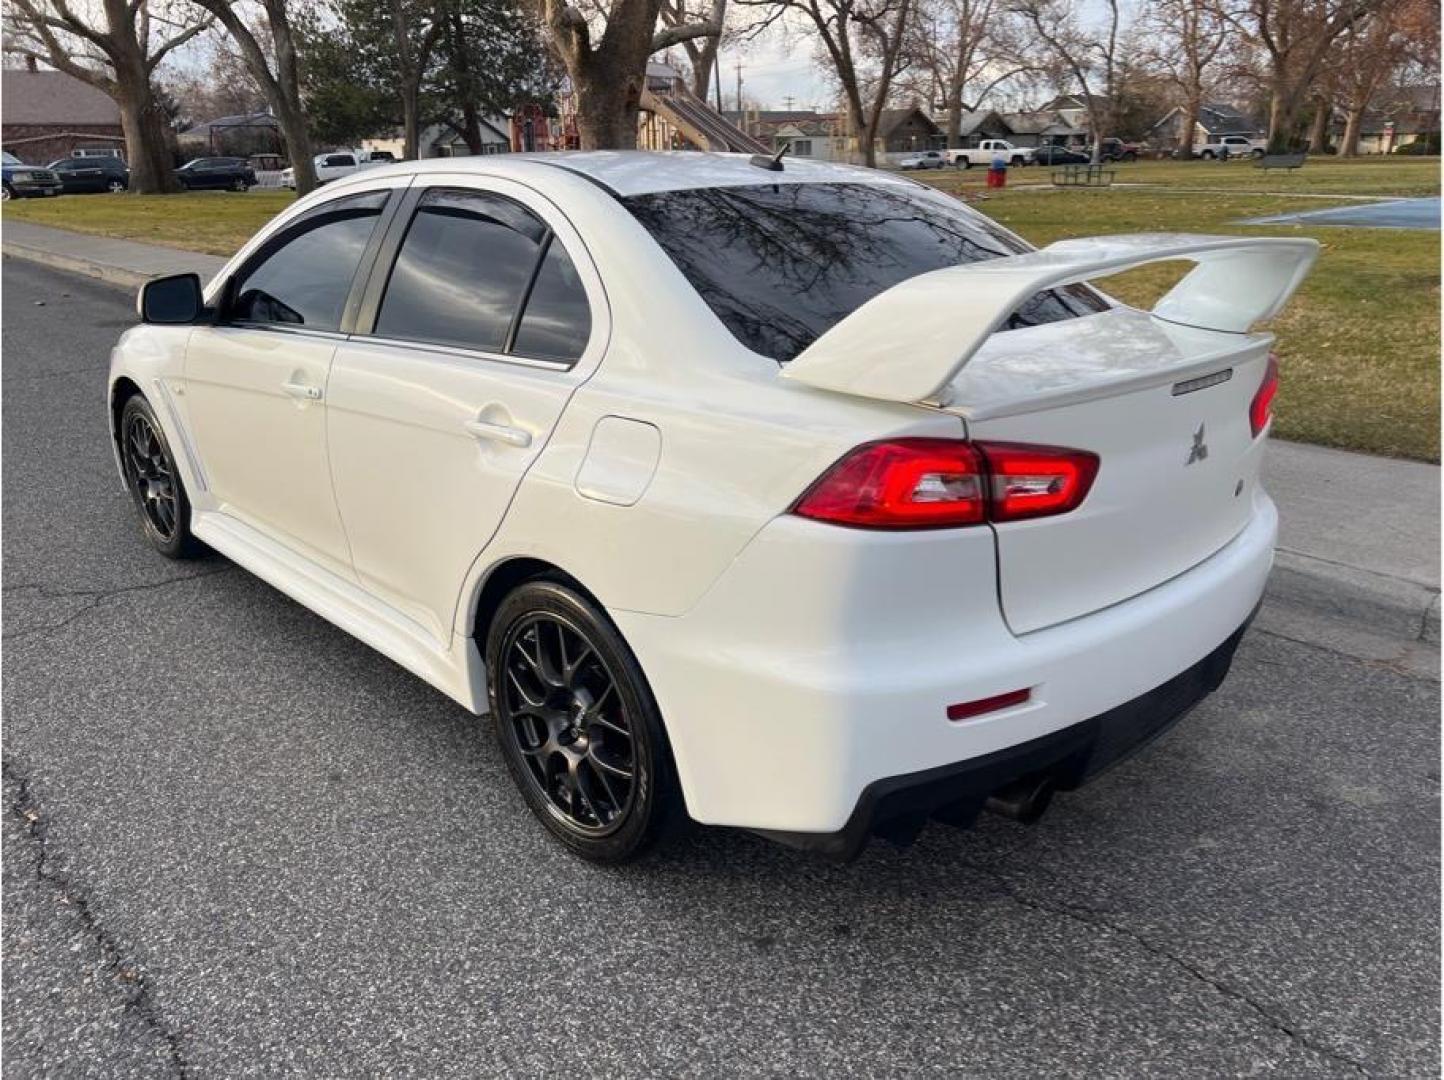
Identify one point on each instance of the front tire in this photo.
(115, 187)
(1207, 155)
(238, 184)
(577, 723)
(155, 484)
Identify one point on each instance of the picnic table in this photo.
(1084, 176)
(1280, 161)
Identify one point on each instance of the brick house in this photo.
(46, 115)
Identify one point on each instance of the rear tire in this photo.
(155, 484)
(581, 733)
(238, 184)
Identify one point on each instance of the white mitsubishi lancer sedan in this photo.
(784, 496)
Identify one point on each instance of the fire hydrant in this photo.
(998, 172)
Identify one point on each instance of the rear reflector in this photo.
(1261, 409)
(944, 483)
(968, 709)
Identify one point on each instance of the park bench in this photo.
(1280, 161)
(1083, 176)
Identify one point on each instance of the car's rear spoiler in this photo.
(909, 342)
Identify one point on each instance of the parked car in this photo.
(927, 159)
(24, 181)
(1233, 146)
(923, 526)
(80, 175)
(986, 151)
(1060, 155)
(1118, 150)
(339, 163)
(233, 174)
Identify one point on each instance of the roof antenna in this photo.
(773, 163)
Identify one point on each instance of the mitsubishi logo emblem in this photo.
(1200, 448)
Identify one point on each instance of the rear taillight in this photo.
(1035, 481)
(900, 484)
(945, 483)
(1261, 409)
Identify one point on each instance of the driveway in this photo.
(239, 842)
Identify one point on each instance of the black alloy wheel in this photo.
(154, 483)
(577, 723)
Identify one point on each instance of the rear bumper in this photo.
(823, 661)
(898, 806)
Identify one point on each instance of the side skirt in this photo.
(455, 668)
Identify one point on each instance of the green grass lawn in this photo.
(216, 222)
(1359, 345)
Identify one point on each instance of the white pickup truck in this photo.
(1233, 146)
(985, 151)
(339, 163)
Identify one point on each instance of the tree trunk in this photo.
(298, 145)
(1319, 127)
(954, 128)
(1189, 129)
(471, 127)
(1353, 120)
(410, 120)
(607, 107)
(151, 168)
(1283, 118)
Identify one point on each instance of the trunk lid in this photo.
(1165, 408)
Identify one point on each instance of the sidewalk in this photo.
(1358, 554)
(120, 262)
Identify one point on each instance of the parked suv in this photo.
(24, 181)
(234, 174)
(1118, 150)
(89, 174)
(1232, 146)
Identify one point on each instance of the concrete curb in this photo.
(120, 276)
(1389, 605)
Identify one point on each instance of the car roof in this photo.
(641, 172)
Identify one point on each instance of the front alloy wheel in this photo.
(155, 485)
(577, 723)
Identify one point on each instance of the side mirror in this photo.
(173, 300)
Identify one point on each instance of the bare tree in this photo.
(416, 25)
(1370, 52)
(607, 77)
(113, 45)
(270, 53)
(701, 52)
(1296, 37)
(965, 49)
(1089, 56)
(1187, 37)
(863, 40)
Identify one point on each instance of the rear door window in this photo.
(479, 271)
(780, 264)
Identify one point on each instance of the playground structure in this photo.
(672, 118)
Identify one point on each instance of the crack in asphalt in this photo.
(126, 974)
(1097, 918)
(95, 598)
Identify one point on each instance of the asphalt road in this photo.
(238, 842)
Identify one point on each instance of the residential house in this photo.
(1044, 127)
(1215, 120)
(1399, 117)
(907, 131)
(442, 140)
(810, 134)
(46, 115)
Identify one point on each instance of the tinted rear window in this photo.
(781, 264)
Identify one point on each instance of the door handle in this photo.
(512, 436)
(302, 391)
